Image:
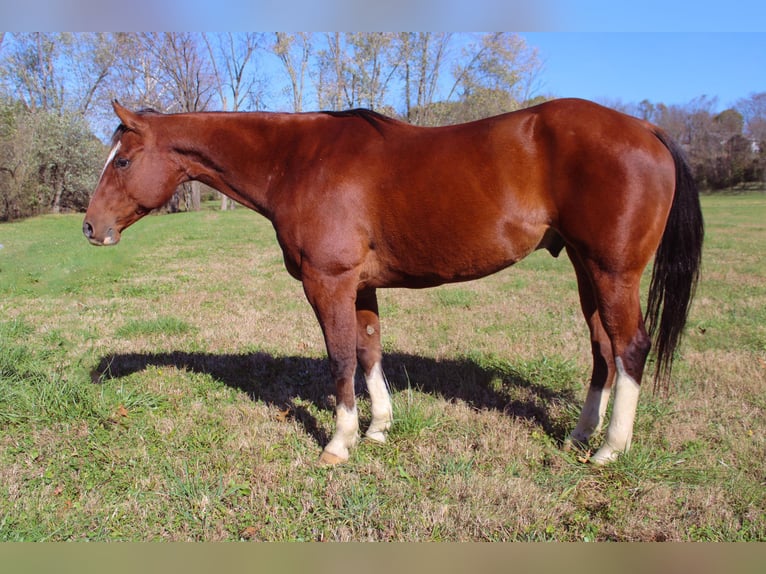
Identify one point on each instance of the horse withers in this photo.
(360, 202)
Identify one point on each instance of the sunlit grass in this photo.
(175, 388)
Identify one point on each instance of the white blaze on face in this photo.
(110, 159)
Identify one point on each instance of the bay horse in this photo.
(360, 201)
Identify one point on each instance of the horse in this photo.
(360, 201)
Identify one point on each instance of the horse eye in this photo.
(122, 162)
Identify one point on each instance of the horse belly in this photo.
(457, 254)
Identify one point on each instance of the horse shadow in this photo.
(284, 382)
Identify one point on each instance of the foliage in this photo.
(56, 89)
(48, 162)
(725, 149)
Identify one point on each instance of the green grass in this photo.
(175, 388)
(158, 326)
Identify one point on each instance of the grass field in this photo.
(175, 388)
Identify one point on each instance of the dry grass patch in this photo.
(175, 388)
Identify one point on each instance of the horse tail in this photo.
(676, 266)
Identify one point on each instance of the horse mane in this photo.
(375, 119)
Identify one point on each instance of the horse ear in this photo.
(129, 119)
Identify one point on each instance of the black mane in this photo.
(375, 119)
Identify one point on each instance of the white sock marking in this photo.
(592, 415)
(382, 414)
(346, 429)
(620, 430)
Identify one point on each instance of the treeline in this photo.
(726, 149)
(56, 89)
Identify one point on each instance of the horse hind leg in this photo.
(620, 311)
(603, 374)
(602, 378)
(369, 355)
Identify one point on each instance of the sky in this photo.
(671, 68)
(665, 51)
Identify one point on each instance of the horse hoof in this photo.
(376, 436)
(605, 455)
(330, 459)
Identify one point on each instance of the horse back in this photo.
(417, 207)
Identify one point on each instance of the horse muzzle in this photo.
(110, 237)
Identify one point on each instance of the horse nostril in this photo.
(87, 230)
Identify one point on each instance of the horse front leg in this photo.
(369, 354)
(332, 299)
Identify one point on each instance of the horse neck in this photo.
(239, 154)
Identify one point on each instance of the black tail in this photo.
(676, 266)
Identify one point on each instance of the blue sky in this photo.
(672, 68)
(662, 50)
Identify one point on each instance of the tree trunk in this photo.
(196, 199)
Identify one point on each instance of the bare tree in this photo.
(497, 73)
(356, 70)
(183, 68)
(231, 60)
(294, 51)
(59, 72)
(422, 55)
(33, 73)
(372, 65)
(92, 57)
(189, 79)
(753, 110)
(137, 79)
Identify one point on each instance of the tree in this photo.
(371, 67)
(188, 78)
(60, 73)
(294, 52)
(646, 110)
(753, 110)
(331, 65)
(91, 58)
(48, 161)
(356, 70)
(231, 57)
(137, 80)
(17, 152)
(496, 73)
(67, 161)
(33, 72)
(183, 69)
(500, 61)
(422, 55)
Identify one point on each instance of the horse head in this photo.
(139, 175)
